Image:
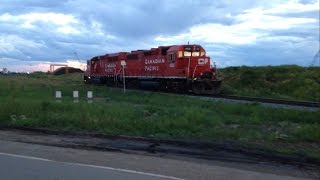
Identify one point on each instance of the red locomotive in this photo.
(178, 68)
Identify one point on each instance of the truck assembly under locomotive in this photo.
(178, 68)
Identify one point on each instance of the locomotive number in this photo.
(109, 68)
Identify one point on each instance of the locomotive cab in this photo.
(92, 69)
(192, 62)
(191, 59)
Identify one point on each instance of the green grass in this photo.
(28, 101)
(288, 82)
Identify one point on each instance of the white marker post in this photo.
(89, 96)
(75, 96)
(123, 64)
(58, 96)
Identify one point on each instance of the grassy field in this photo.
(288, 82)
(28, 101)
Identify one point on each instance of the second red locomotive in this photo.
(178, 68)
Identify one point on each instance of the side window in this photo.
(171, 58)
(180, 54)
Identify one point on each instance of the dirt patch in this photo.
(223, 151)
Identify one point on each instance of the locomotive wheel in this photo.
(163, 85)
(197, 88)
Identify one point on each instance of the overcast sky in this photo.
(245, 32)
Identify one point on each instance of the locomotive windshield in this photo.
(187, 53)
(191, 51)
(197, 53)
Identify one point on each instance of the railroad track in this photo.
(270, 100)
(312, 104)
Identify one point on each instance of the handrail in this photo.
(194, 71)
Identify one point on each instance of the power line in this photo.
(80, 64)
(77, 56)
(316, 58)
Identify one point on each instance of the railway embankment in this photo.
(283, 82)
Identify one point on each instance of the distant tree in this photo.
(4, 70)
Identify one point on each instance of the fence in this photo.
(58, 96)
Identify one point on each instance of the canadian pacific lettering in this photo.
(151, 68)
(154, 61)
(150, 64)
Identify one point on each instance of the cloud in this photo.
(252, 25)
(17, 47)
(294, 6)
(17, 65)
(213, 33)
(29, 18)
(233, 32)
(255, 33)
(49, 36)
(64, 23)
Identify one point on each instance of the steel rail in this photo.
(313, 104)
(270, 100)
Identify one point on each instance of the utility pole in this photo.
(123, 64)
(316, 59)
(77, 56)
